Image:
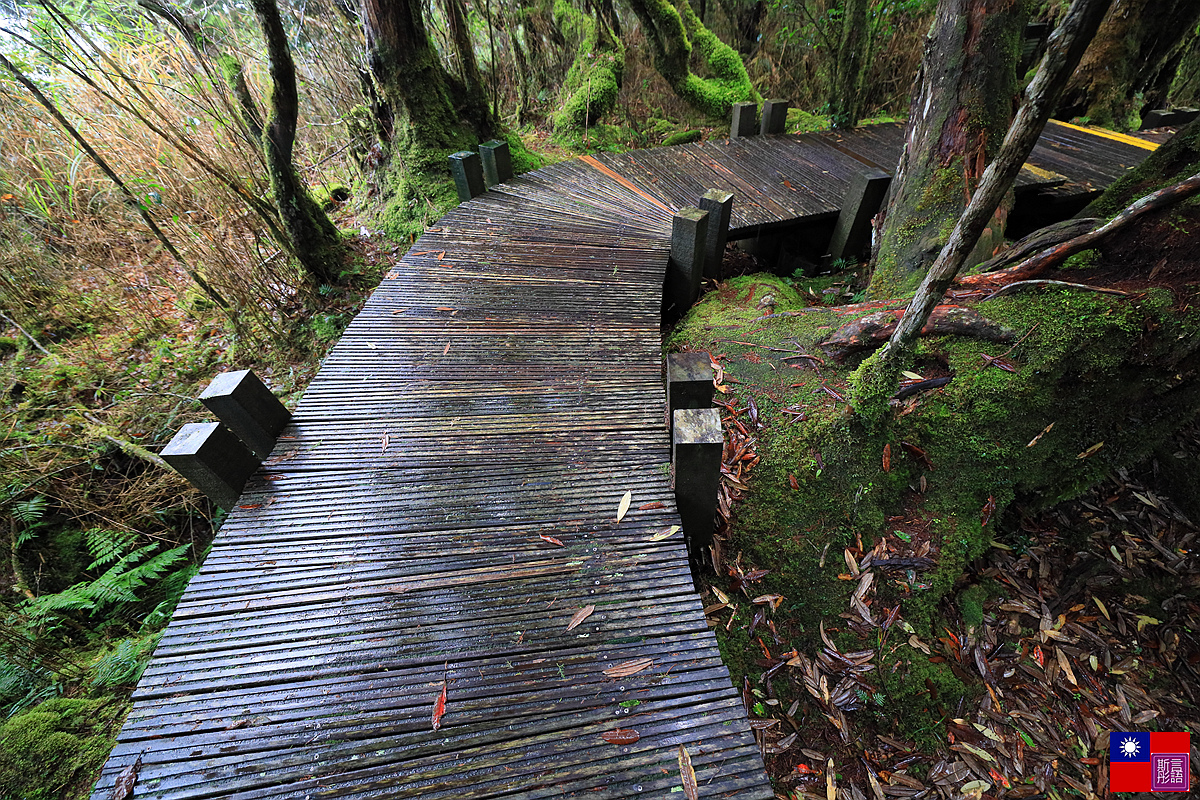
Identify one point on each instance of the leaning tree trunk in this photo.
(672, 32)
(845, 99)
(593, 83)
(965, 101)
(1131, 62)
(431, 114)
(314, 239)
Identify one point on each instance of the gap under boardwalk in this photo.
(498, 393)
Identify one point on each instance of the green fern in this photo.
(107, 546)
(31, 511)
(124, 665)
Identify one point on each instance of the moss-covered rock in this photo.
(57, 746)
(683, 137)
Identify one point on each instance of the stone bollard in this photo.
(686, 266)
(745, 120)
(696, 445)
(248, 408)
(689, 382)
(497, 163)
(468, 175)
(774, 117)
(864, 197)
(212, 459)
(719, 206)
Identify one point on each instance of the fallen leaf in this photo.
(690, 790)
(772, 600)
(667, 534)
(580, 616)
(1091, 450)
(912, 375)
(551, 540)
(439, 707)
(623, 507)
(989, 508)
(795, 484)
(252, 506)
(975, 788)
(650, 506)
(621, 736)
(887, 458)
(918, 453)
(1037, 438)
(627, 668)
(386, 440)
(126, 781)
(724, 598)
(447, 350)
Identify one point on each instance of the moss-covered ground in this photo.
(1094, 384)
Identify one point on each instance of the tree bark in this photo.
(593, 83)
(432, 114)
(967, 94)
(314, 239)
(845, 100)
(1131, 62)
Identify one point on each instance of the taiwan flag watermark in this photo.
(1149, 762)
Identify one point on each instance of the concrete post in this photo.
(468, 175)
(212, 459)
(864, 197)
(696, 445)
(247, 407)
(686, 266)
(774, 116)
(689, 382)
(719, 206)
(497, 163)
(745, 120)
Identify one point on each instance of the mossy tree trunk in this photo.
(672, 32)
(314, 239)
(430, 114)
(594, 81)
(966, 98)
(1132, 61)
(845, 99)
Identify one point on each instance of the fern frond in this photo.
(114, 586)
(73, 598)
(107, 546)
(31, 511)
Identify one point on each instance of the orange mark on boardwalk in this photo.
(592, 162)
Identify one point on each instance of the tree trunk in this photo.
(672, 32)
(845, 100)
(314, 239)
(594, 81)
(1131, 62)
(432, 114)
(967, 95)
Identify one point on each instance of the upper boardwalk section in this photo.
(443, 507)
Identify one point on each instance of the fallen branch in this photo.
(921, 386)
(1038, 241)
(1039, 263)
(1012, 287)
(875, 329)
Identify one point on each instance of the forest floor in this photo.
(1079, 619)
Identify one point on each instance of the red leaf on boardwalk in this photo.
(126, 781)
(551, 540)
(439, 707)
(650, 506)
(621, 736)
(580, 616)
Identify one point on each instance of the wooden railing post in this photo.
(696, 444)
(689, 382)
(248, 408)
(864, 197)
(468, 175)
(686, 265)
(774, 117)
(497, 162)
(212, 459)
(745, 120)
(719, 206)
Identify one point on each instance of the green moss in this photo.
(593, 82)
(54, 747)
(683, 137)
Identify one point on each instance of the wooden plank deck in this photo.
(498, 394)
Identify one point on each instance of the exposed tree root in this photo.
(1013, 287)
(874, 329)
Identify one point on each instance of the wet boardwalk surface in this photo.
(443, 506)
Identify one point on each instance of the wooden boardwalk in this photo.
(444, 503)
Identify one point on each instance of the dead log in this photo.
(1039, 263)
(1038, 241)
(875, 329)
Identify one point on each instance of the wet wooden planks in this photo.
(441, 506)
(778, 180)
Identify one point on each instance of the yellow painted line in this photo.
(1044, 174)
(1124, 138)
